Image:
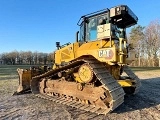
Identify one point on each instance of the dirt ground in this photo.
(143, 106)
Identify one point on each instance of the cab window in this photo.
(92, 29)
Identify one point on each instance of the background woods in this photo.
(146, 42)
(26, 57)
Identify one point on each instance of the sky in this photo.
(36, 25)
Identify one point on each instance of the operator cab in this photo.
(106, 24)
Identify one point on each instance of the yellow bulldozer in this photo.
(89, 74)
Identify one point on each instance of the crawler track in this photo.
(112, 100)
(130, 73)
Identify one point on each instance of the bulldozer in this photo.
(89, 73)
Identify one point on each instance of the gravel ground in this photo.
(145, 105)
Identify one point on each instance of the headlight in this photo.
(118, 9)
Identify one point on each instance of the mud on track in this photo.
(143, 106)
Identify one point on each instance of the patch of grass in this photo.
(141, 69)
(8, 87)
(11, 69)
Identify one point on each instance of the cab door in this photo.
(92, 29)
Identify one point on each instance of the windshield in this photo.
(93, 22)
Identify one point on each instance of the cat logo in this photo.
(108, 54)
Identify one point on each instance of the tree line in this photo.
(146, 41)
(26, 57)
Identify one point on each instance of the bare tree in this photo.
(35, 57)
(136, 37)
(12, 57)
(152, 42)
(50, 58)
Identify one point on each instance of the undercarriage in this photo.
(85, 84)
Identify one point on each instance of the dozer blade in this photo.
(25, 76)
(24, 81)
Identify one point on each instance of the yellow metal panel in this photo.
(103, 50)
(126, 83)
(100, 49)
(66, 54)
(57, 57)
(75, 46)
